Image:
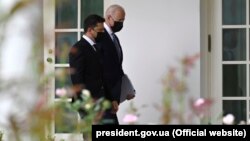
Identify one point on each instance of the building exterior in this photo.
(155, 35)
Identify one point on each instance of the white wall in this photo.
(156, 34)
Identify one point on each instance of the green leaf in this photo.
(76, 105)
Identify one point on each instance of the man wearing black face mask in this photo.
(85, 61)
(112, 59)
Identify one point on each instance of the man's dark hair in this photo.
(91, 21)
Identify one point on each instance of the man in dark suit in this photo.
(84, 60)
(112, 57)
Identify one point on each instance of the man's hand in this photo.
(115, 106)
(130, 96)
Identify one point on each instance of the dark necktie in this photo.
(95, 47)
(117, 46)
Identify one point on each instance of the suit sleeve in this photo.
(116, 91)
(113, 89)
(77, 68)
(112, 68)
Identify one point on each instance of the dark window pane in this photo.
(234, 80)
(235, 107)
(64, 41)
(91, 7)
(62, 82)
(234, 12)
(66, 14)
(234, 44)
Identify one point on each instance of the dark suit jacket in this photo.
(86, 69)
(112, 68)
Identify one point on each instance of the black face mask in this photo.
(117, 26)
(99, 36)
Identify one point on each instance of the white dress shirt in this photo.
(92, 43)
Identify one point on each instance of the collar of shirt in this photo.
(88, 40)
(108, 30)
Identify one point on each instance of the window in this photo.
(229, 58)
(63, 26)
